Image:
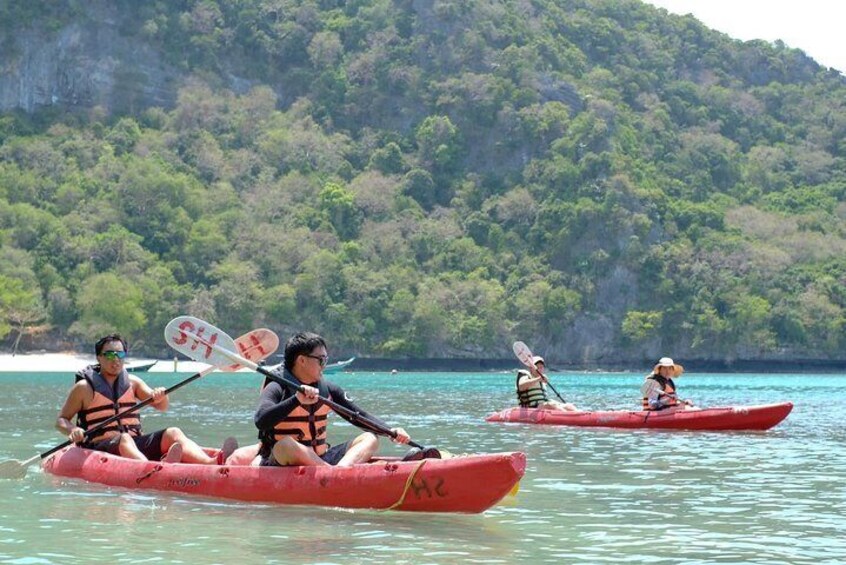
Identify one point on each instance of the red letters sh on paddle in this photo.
(197, 334)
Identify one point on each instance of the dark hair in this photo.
(98, 347)
(301, 343)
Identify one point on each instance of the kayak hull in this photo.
(761, 417)
(469, 484)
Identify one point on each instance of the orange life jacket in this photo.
(108, 401)
(668, 396)
(307, 425)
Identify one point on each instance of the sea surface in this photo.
(589, 495)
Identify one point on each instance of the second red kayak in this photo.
(471, 483)
(761, 417)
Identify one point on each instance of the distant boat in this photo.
(330, 368)
(340, 365)
(140, 367)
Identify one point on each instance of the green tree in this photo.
(237, 294)
(388, 159)
(438, 145)
(124, 135)
(21, 309)
(338, 203)
(108, 303)
(638, 326)
(419, 185)
(751, 317)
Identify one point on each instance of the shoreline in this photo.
(72, 362)
(644, 366)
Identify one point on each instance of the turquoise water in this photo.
(589, 495)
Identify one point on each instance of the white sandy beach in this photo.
(72, 362)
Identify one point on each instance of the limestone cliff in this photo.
(88, 62)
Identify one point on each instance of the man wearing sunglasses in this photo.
(103, 390)
(292, 426)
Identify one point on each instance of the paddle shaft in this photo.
(552, 388)
(355, 417)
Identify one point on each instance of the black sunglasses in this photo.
(322, 359)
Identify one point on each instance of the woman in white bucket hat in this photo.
(659, 390)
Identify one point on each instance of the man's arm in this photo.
(274, 405)
(73, 404)
(527, 382)
(143, 392)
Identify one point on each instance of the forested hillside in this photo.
(420, 178)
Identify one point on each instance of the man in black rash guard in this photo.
(292, 426)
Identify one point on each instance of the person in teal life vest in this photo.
(292, 426)
(104, 389)
(659, 390)
(531, 388)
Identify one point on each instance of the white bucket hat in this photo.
(668, 362)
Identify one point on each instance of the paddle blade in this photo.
(523, 353)
(255, 346)
(197, 339)
(12, 469)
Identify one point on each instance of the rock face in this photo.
(83, 66)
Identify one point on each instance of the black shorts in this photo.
(148, 444)
(332, 456)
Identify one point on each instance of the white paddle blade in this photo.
(12, 469)
(200, 341)
(255, 346)
(523, 353)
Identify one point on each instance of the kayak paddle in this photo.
(255, 345)
(524, 354)
(203, 342)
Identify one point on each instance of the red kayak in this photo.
(471, 483)
(761, 417)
